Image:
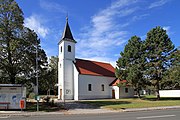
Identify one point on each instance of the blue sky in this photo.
(100, 27)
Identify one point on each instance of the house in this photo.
(85, 79)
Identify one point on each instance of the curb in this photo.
(151, 108)
(14, 113)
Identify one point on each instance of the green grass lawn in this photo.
(145, 102)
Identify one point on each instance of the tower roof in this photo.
(67, 35)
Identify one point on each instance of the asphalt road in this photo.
(141, 115)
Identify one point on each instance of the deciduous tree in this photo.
(18, 46)
(50, 77)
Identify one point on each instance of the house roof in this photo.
(67, 35)
(117, 81)
(87, 67)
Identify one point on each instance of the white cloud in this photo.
(52, 6)
(158, 3)
(35, 23)
(105, 33)
(139, 17)
(167, 28)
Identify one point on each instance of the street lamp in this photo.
(37, 82)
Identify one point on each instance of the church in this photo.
(80, 79)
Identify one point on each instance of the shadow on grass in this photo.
(47, 107)
(161, 99)
(99, 104)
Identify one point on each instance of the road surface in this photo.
(171, 114)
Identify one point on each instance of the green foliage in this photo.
(171, 78)
(32, 95)
(158, 50)
(11, 21)
(121, 84)
(50, 77)
(130, 64)
(150, 62)
(18, 46)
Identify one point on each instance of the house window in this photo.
(126, 90)
(102, 87)
(61, 48)
(69, 48)
(89, 87)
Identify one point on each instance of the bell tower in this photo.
(65, 64)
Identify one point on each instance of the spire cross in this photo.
(67, 17)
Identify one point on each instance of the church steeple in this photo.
(66, 64)
(67, 35)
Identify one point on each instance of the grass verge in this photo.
(145, 102)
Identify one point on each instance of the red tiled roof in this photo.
(116, 81)
(87, 67)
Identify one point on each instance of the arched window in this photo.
(102, 87)
(69, 48)
(126, 90)
(89, 87)
(61, 49)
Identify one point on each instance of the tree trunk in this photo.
(138, 93)
(10, 67)
(55, 91)
(158, 96)
(157, 91)
(12, 79)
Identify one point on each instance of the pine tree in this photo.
(131, 63)
(171, 78)
(158, 49)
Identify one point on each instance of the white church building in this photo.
(85, 79)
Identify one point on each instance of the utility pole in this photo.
(37, 82)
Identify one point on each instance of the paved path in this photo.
(82, 108)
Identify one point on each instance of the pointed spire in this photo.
(67, 32)
(67, 35)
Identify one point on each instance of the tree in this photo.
(158, 50)
(11, 21)
(18, 46)
(50, 77)
(172, 75)
(130, 64)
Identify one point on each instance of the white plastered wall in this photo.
(76, 83)
(66, 70)
(96, 84)
(120, 92)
